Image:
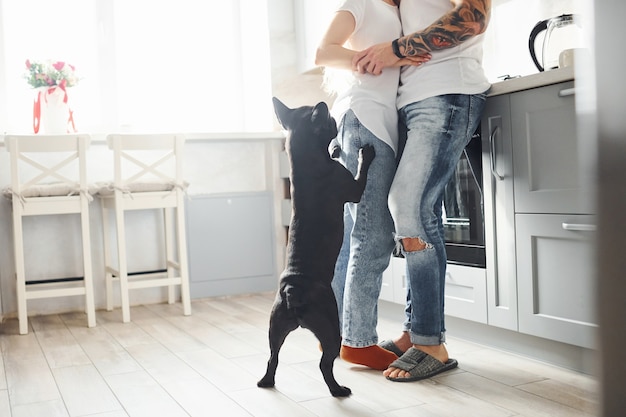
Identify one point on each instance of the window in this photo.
(145, 65)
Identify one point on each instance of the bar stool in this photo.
(35, 161)
(147, 176)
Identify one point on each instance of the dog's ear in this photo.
(283, 113)
(320, 113)
(322, 122)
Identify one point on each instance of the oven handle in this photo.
(492, 156)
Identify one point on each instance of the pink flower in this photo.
(50, 73)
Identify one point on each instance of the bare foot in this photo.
(439, 352)
(403, 342)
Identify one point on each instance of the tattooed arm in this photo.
(467, 19)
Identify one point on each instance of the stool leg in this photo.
(182, 254)
(106, 234)
(87, 263)
(169, 254)
(123, 265)
(20, 273)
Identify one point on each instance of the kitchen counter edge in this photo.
(527, 82)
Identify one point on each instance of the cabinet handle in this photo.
(579, 227)
(492, 156)
(566, 92)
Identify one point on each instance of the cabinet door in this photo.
(499, 213)
(545, 149)
(555, 258)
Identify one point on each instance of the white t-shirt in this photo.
(372, 98)
(455, 70)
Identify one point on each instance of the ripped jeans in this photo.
(438, 129)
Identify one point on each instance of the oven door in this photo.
(463, 219)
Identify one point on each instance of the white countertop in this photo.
(532, 81)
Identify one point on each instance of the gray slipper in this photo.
(391, 347)
(420, 365)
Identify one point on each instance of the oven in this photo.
(463, 218)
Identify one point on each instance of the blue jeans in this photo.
(368, 237)
(438, 129)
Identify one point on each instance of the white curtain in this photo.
(144, 65)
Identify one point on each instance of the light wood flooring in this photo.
(165, 364)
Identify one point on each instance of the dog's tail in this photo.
(294, 296)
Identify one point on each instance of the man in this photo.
(440, 103)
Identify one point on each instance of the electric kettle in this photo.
(562, 32)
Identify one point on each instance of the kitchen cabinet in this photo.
(466, 293)
(499, 213)
(554, 275)
(547, 176)
(539, 221)
(394, 282)
(231, 244)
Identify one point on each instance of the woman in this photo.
(365, 109)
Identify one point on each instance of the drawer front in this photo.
(555, 276)
(466, 293)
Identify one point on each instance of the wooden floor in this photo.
(165, 364)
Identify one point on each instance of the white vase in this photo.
(54, 111)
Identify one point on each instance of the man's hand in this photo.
(373, 59)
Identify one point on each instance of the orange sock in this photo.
(373, 357)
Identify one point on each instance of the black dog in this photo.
(319, 188)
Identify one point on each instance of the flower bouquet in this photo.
(51, 109)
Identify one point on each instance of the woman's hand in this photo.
(414, 60)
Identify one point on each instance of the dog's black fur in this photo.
(319, 188)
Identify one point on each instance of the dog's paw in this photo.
(334, 149)
(266, 382)
(367, 153)
(341, 392)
